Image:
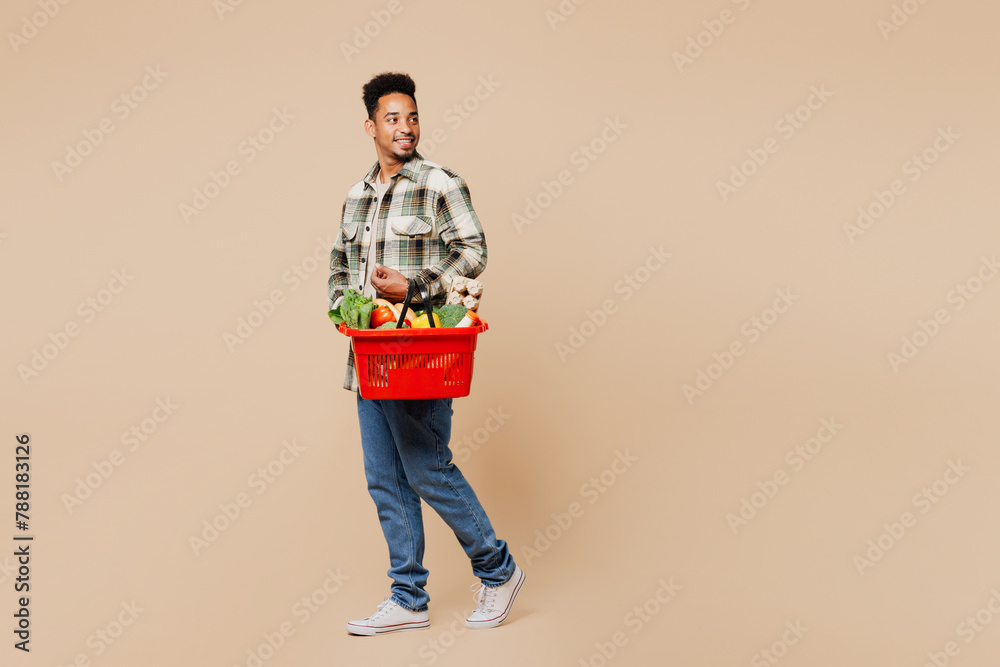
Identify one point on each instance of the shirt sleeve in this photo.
(460, 230)
(339, 276)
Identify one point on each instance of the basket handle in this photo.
(411, 285)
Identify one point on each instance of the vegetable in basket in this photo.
(354, 309)
(423, 323)
(451, 314)
(444, 316)
(383, 315)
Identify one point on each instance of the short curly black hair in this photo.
(386, 83)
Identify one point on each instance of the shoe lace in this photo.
(384, 607)
(485, 597)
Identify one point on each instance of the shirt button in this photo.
(367, 229)
(362, 260)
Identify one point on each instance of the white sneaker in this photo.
(493, 604)
(389, 617)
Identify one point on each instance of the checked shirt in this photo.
(425, 228)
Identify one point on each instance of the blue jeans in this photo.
(405, 445)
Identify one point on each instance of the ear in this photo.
(369, 128)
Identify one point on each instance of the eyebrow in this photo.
(396, 113)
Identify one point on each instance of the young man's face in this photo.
(395, 127)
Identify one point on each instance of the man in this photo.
(412, 218)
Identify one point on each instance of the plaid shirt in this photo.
(426, 229)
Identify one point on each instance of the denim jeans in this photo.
(406, 453)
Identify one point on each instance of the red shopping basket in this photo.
(414, 363)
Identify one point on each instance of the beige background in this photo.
(564, 419)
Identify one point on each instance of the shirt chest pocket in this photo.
(411, 226)
(349, 230)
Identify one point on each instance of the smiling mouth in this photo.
(405, 142)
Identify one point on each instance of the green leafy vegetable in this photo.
(354, 309)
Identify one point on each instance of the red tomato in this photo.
(382, 315)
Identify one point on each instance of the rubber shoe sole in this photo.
(368, 630)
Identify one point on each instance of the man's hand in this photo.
(389, 283)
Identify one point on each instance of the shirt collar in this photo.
(410, 169)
